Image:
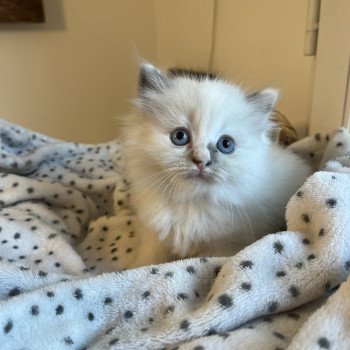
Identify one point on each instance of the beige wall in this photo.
(73, 76)
(261, 43)
(183, 32)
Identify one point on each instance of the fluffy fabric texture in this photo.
(231, 199)
(62, 255)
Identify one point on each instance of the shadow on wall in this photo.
(54, 19)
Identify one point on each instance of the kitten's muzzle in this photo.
(200, 164)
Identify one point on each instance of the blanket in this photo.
(67, 249)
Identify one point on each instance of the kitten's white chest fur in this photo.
(189, 225)
(198, 195)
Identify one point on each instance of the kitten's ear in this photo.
(151, 78)
(264, 100)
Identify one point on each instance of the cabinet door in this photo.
(331, 99)
(261, 43)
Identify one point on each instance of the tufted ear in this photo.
(264, 100)
(151, 78)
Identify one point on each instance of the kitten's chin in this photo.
(200, 177)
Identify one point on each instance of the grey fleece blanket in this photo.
(66, 277)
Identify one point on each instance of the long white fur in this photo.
(248, 189)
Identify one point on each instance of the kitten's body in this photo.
(227, 201)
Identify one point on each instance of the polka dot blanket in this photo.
(66, 277)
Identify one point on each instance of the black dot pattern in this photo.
(273, 306)
(225, 301)
(8, 327)
(108, 300)
(246, 286)
(184, 325)
(294, 291)
(300, 194)
(331, 202)
(305, 218)
(128, 314)
(323, 343)
(78, 294)
(278, 246)
(281, 273)
(246, 264)
(34, 310)
(59, 310)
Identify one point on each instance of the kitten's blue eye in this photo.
(226, 144)
(180, 137)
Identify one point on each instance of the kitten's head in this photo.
(203, 133)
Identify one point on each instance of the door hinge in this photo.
(311, 34)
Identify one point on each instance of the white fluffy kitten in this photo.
(204, 175)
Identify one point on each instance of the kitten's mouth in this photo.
(200, 175)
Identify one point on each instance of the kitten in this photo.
(204, 175)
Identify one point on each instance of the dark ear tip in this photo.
(144, 73)
(265, 99)
(142, 78)
(151, 77)
(147, 68)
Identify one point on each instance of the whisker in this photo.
(242, 207)
(154, 175)
(163, 179)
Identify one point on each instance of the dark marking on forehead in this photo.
(193, 74)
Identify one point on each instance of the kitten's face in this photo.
(200, 134)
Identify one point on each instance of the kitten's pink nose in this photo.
(200, 164)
